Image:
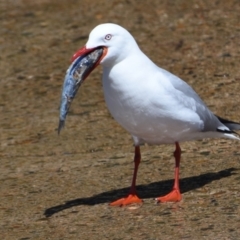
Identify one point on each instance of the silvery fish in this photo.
(80, 68)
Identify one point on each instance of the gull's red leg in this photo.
(132, 196)
(174, 195)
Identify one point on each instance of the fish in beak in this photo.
(83, 63)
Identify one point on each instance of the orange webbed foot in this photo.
(173, 196)
(131, 198)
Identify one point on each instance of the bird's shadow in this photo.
(151, 190)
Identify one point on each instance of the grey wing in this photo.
(211, 122)
(182, 86)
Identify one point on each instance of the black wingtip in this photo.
(226, 121)
(227, 131)
(60, 125)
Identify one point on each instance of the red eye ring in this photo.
(108, 37)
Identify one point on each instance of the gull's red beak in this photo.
(85, 50)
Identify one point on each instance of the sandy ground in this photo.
(59, 187)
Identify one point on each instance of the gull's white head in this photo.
(117, 42)
(108, 44)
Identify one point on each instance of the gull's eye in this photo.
(108, 36)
